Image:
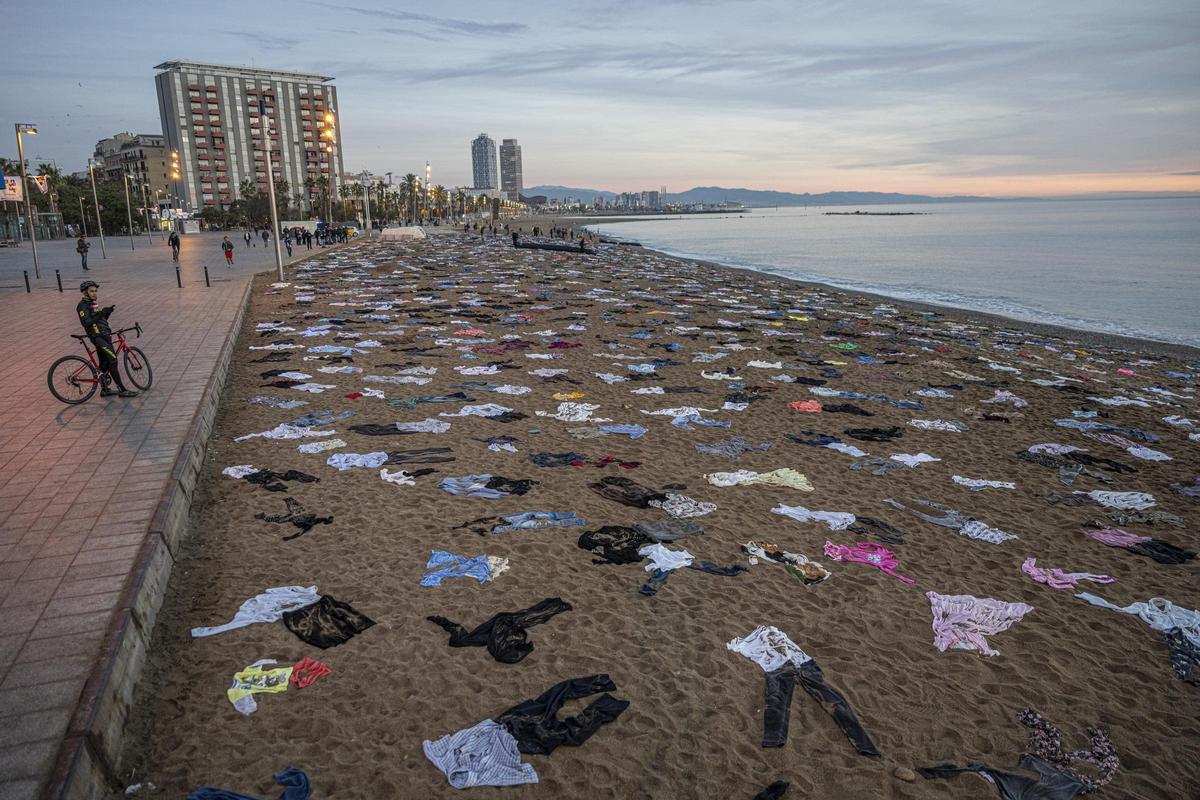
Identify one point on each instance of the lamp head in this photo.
(27, 128)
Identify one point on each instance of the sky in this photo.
(1016, 98)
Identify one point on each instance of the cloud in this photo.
(266, 39)
(443, 24)
(1188, 174)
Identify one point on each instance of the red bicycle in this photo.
(73, 379)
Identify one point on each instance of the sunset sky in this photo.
(1014, 98)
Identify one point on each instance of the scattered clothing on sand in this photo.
(327, 622)
(485, 754)
(266, 607)
(797, 564)
(489, 487)
(506, 634)
(876, 555)
(614, 544)
(443, 565)
(1057, 579)
(731, 448)
(1161, 551)
(538, 729)
(293, 781)
(626, 491)
(962, 621)
(785, 665)
(1056, 774)
(785, 476)
(949, 518)
(835, 520)
(254, 679)
(296, 516)
(977, 484)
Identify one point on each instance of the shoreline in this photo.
(1079, 335)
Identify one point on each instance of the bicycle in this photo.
(73, 379)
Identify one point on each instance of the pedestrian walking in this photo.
(246, 236)
(266, 234)
(287, 242)
(81, 247)
(227, 247)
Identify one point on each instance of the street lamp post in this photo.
(25, 127)
(96, 203)
(366, 186)
(128, 209)
(262, 118)
(82, 216)
(145, 209)
(427, 214)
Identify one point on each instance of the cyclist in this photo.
(95, 325)
(173, 242)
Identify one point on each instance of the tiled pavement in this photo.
(79, 484)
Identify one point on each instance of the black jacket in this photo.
(93, 319)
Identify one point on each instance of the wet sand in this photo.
(695, 723)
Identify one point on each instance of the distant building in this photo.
(210, 115)
(483, 162)
(511, 181)
(143, 156)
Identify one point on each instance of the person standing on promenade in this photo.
(173, 243)
(246, 236)
(227, 247)
(81, 247)
(266, 234)
(95, 325)
(287, 242)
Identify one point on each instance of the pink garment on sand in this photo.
(962, 621)
(867, 553)
(1057, 579)
(811, 406)
(1115, 537)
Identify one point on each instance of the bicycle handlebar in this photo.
(137, 327)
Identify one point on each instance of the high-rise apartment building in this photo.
(210, 116)
(511, 182)
(483, 162)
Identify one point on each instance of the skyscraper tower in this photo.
(511, 182)
(483, 162)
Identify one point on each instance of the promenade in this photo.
(80, 485)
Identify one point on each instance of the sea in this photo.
(1128, 267)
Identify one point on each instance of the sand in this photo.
(694, 726)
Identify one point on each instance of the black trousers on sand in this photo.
(535, 723)
(779, 687)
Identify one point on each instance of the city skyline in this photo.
(934, 98)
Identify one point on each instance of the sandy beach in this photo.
(436, 333)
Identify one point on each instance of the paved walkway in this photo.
(78, 484)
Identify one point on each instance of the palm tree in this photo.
(438, 198)
(411, 186)
(322, 184)
(310, 184)
(460, 201)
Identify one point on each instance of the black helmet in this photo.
(83, 287)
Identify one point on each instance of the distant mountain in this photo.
(554, 192)
(753, 197)
(757, 197)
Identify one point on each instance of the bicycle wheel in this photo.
(72, 379)
(137, 368)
